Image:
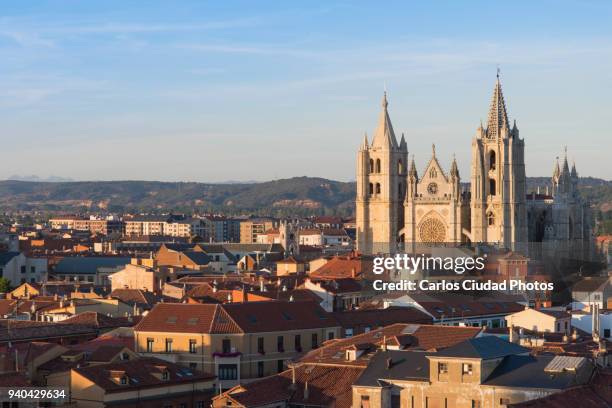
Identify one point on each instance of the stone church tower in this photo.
(498, 183)
(381, 188)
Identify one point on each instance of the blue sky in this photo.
(215, 91)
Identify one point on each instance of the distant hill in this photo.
(299, 196)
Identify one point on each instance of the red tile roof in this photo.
(249, 317)
(327, 387)
(423, 337)
(140, 374)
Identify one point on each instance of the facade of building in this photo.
(396, 205)
(234, 341)
(250, 229)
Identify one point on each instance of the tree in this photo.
(5, 285)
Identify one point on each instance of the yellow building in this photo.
(234, 341)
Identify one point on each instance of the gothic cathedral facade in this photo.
(396, 207)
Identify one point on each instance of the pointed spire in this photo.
(498, 117)
(574, 172)
(384, 137)
(556, 170)
(413, 171)
(566, 169)
(403, 146)
(365, 144)
(454, 171)
(433, 149)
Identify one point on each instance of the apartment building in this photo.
(234, 341)
(483, 372)
(251, 228)
(18, 268)
(100, 226)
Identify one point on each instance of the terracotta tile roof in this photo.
(423, 337)
(327, 386)
(381, 317)
(139, 297)
(597, 394)
(31, 330)
(188, 318)
(249, 317)
(270, 316)
(140, 374)
(342, 267)
(106, 353)
(99, 320)
(458, 309)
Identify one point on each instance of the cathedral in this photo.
(397, 206)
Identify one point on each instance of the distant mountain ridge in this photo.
(294, 196)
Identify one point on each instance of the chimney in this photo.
(389, 363)
(512, 335)
(575, 335)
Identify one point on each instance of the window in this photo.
(298, 342)
(371, 189)
(365, 401)
(260, 368)
(492, 189)
(123, 380)
(400, 167)
(200, 404)
(228, 372)
(315, 340)
(442, 368)
(165, 376)
(193, 346)
(280, 365)
(606, 333)
(150, 345)
(476, 404)
(280, 344)
(504, 401)
(226, 346)
(260, 345)
(377, 188)
(23, 269)
(348, 333)
(168, 345)
(492, 160)
(371, 165)
(378, 165)
(330, 335)
(467, 369)
(32, 269)
(491, 219)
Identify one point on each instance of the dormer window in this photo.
(123, 380)
(467, 369)
(165, 375)
(443, 368)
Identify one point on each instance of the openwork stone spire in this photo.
(498, 117)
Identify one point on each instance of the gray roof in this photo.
(405, 365)
(529, 372)
(486, 348)
(590, 284)
(90, 264)
(199, 258)
(5, 257)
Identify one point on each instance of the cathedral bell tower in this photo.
(381, 188)
(498, 190)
